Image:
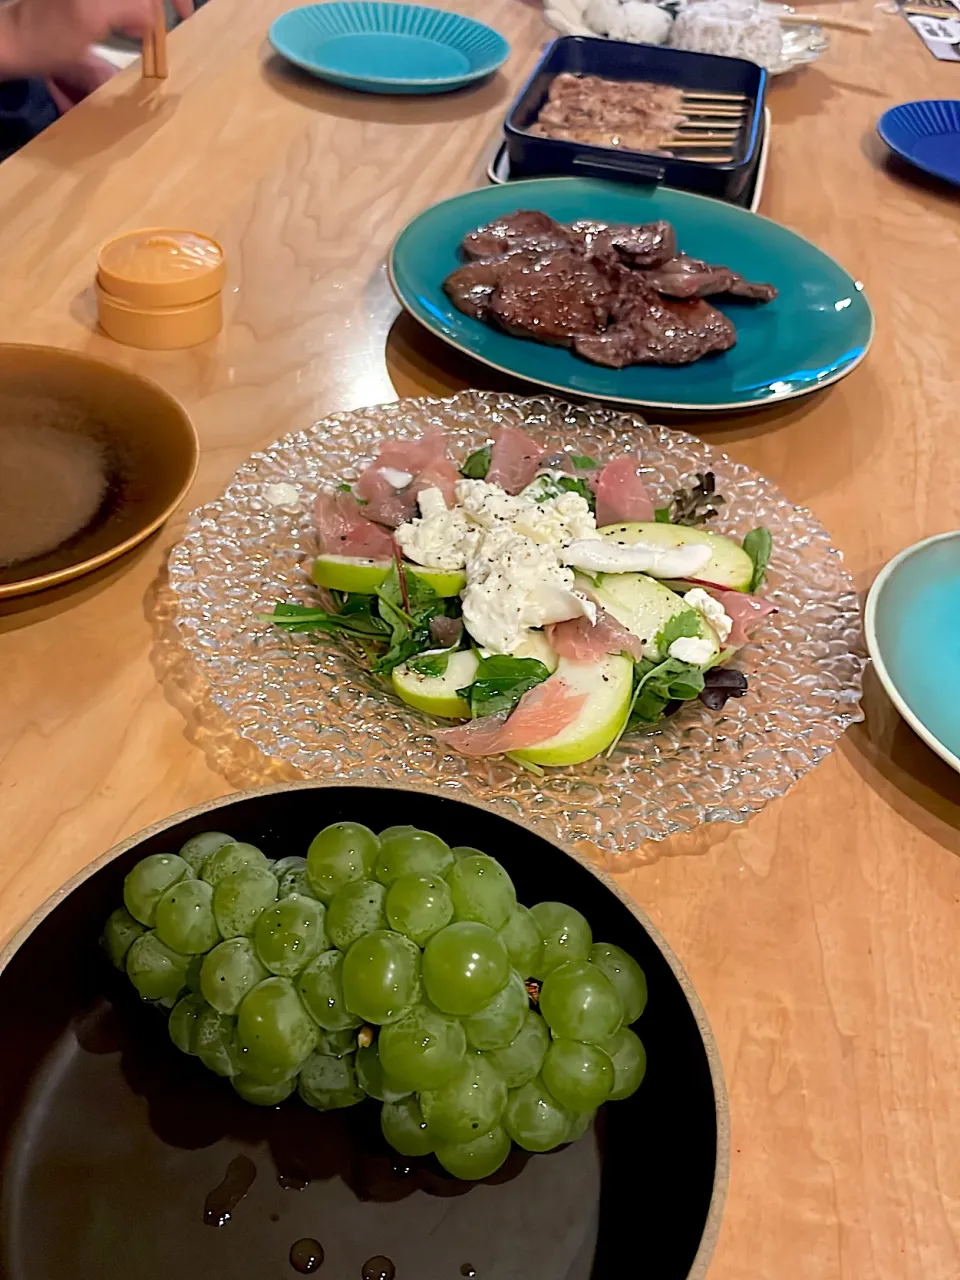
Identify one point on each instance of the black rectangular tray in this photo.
(534, 156)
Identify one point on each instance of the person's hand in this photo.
(72, 84)
(40, 37)
(183, 8)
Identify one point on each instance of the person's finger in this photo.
(183, 8)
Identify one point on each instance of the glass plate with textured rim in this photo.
(316, 707)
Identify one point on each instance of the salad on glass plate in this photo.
(543, 583)
(541, 598)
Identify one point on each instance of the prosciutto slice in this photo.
(514, 459)
(426, 463)
(581, 642)
(543, 711)
(344, 530)
(745, 611)
(621, 494)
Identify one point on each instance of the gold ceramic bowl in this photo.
(93, 459)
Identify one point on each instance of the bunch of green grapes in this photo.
(387, 966)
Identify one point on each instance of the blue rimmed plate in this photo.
(926, 134)
(814, 333)
(912, 626)
(388, 48)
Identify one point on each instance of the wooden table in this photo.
(824, 936)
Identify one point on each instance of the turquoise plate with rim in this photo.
(813, 334)
(912, 625)
(388, 48)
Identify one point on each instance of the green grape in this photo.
(404, 1127)
(468, 1105)
(498, 1024)
(372, 1078)
(239, 899)
(625, 974)
(580, 1122)
(522, 1059)
(230, 858)
(148, 881)
(254, 1068)
(534, 1119)
(192, 979)
(185, 919)
(357, 909)
(321, 989)
(198, 849)
(419, 906)
(395, 831)
(464, 966)
(183, 1021)
(565, 932)
(477, 1159)
(411, 853)
(580, 1076)
(118, 935)
(381, 976)
(423, 1049)
(521, 937)
(580, 1003)
(290, 933)
(229, 972)
(329, 1083)
(339, 855)
(292, 877)
(263, 1093)
(481, 891)
(629, 1059)
(466, 851)
(274, 1026)
(336, 1043)
(157, 972)
(215, 1042)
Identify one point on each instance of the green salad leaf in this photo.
(682, 624)
(758, 544)
(695, 505)
(583, 463)
(431, 664)
(477, 465)
(656, 686)
(662, 515)
(500, 683)
(553, 486)
(357, 620)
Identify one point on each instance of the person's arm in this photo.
(41, 37)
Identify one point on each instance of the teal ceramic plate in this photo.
(388, 48)
(815, 332)
(913, 634)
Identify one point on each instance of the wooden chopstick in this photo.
(823, 20)
(155, 47)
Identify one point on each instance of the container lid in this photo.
(161, 267)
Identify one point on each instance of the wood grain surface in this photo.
(824, 936)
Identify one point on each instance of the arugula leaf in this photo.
(500, 682)
(345, 488)
(583, 463)
(657, 684)
(758, 544)
(419, 594)
(682, 624)
(409, 627)
(359, 622)
(477, 465)
(662, 515)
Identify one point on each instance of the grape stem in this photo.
(533, 986)
(365, 1037)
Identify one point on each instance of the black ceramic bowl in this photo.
(111, 1141)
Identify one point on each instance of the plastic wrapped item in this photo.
(730, 28)
(634, 20)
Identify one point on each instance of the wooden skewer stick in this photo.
(155, 48)
(822, 20)
(697, 143)
(701, 94)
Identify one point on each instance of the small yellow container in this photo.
(161, 289)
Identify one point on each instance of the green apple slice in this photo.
(362, 577)
(643, 605)
(729, 566)
(350, 573)
(437, 695)
(608, 685)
